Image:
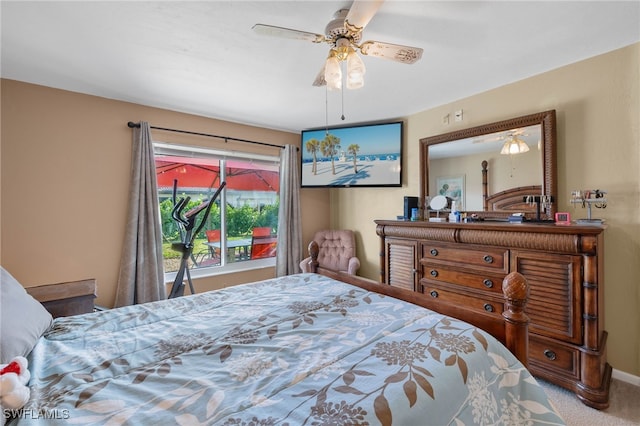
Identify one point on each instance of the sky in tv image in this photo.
(374, 139)
(377, 161)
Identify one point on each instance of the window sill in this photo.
(229, 268)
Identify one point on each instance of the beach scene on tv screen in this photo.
(352, 156)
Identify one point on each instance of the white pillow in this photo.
(22, 319)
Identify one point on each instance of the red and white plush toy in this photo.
(14, 377)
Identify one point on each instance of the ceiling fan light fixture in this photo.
(355, 70)
(344, 33)
(343, 48)
(514, 146)
(333, 71)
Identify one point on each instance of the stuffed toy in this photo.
(14, 377)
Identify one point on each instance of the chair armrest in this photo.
(354, 265)
(66, 298)
(305, 265)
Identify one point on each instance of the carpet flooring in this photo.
(624, 406)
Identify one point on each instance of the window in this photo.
(238, 236)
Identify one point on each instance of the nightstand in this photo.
(66, 298)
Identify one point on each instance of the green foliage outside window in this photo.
(170, 231)
(240, 220)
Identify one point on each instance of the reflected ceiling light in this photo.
(514, 145)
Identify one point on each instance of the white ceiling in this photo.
(203, 57)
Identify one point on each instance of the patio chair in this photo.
(261, 231)
(337, 251)
(263, 244)
(213, 235)
(212, 256)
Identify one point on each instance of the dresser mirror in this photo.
(494, 170)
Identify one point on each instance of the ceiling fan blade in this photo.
(274, 31)
(360, 14)
(394, 52)
(483, 139)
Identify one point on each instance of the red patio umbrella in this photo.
(205, 173)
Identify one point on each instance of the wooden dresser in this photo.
(459, 267)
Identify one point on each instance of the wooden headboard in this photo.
(512, 200)
(509, 200)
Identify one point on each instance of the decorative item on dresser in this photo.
(458, 267)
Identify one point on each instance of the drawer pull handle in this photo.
(487, 258)
(549, 354)
(487, 283)
(434, 273)
(434, 293)
(433, 252)
(488, 307)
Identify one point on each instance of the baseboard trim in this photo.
(626, 377)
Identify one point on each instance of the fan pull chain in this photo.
(344, 84)
(326, 110)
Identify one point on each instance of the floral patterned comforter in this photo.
(298, 350)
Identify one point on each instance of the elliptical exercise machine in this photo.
(186, 224)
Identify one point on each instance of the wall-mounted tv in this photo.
(351, 156)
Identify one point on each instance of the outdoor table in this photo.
(234, 248)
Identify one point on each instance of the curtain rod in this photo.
(131, 124)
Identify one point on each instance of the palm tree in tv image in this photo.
(313, 146)
(353, 150)
(329, 147)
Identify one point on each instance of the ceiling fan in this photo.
(500, 136)
(344, 33)
(513, 142)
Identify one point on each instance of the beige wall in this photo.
(65, 181)
(596, 103)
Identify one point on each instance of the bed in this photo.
(306, 349)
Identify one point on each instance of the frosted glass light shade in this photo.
(333, 73)
(355, 71)
(514, 146)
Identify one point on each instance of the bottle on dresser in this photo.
(454, 216)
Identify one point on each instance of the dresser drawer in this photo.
(441, 293)
(549, 358)
(478, 258)
(484, 281)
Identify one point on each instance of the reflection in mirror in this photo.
(464, 157)
(452, 165)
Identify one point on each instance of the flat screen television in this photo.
(364, 155)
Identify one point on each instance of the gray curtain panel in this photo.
(141, 272)
(289, 251)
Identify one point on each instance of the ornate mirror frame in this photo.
(546, 119)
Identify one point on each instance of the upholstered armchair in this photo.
(337, 251)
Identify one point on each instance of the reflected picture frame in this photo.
(452, 187)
